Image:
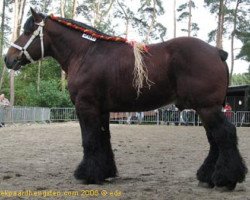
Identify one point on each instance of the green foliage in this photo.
(48, 96)
(245, 50)
(241, 79)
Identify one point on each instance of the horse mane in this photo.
(81, 24)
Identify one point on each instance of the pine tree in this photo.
(98, 14)
(5, 30)
(218, 7)
(146, 20)
(186, 15)
(19, 6)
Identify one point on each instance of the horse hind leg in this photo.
(205, 172)
(229, 168)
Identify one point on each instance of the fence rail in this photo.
(160, 116)
(24, 115)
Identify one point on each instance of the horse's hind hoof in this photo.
(227, 188)
(205, 185)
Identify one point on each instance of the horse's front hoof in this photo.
(94, 172)
(89, 175)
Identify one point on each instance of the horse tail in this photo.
(223, 56)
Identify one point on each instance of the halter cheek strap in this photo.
(38, 31)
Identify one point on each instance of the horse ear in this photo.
(35, 15)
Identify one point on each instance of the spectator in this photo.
(228, 111)
(4, 102)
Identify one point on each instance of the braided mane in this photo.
(86, 29)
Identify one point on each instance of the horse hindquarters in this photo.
(229, 168)
(98, 161)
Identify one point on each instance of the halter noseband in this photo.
(38, 31)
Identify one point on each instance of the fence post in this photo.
(158, 117)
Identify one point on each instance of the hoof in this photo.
(91, 173)
(224, 188)
(205, 185)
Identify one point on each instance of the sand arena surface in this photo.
(154, 162)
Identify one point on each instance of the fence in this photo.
(160, 116)
(24, 115)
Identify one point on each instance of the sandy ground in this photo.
(154, 162)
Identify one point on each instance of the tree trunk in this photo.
(98, 15)
(18, 15)
(2, 28)
(189, 18)
(62, 8)
(174, 9)
(74, 9)
(232, 39)
(152, 22)
(39, 75)
(219, 34)
(2, 44)
(2, 76)
(126, 18)
(63, 75)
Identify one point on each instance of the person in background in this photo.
(228, 111)
(4, 102)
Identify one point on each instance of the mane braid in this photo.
(86, 29)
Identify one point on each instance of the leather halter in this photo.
(38, 31)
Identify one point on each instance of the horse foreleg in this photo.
(230, 168)
(98, 161)
(111, 170)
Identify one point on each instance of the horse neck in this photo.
(66, 45)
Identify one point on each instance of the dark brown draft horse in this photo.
(184, 71)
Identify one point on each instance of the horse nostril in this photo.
(5, 59)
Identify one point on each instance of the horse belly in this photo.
(148, 99)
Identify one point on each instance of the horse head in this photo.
(31, 45)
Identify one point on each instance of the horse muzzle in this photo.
(14, 64)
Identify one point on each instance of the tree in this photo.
(186, 14)
(43, 7)
(146, 20)
(124, 12)
(98, 14)
(174, 13)
(218, 7)
(18, 16)
(245, 50)
(5, 30)
(234, 19)
(240, 79)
